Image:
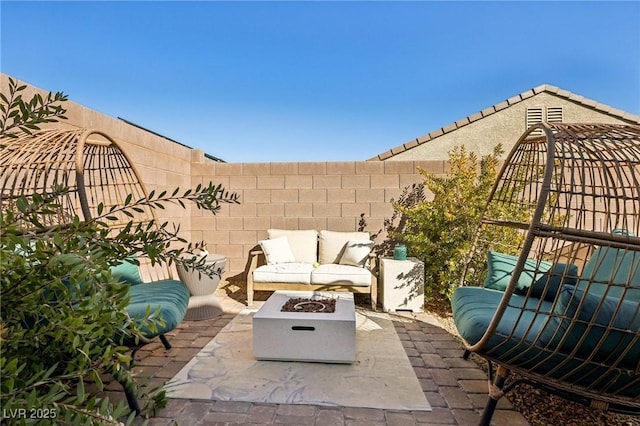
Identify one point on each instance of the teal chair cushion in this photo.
(582, 324)
(171, 296)
(535, 275)
(127, 272)
(520, 340)
(500, 268)
(474, 307)
(609, 271)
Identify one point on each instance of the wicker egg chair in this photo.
(97, 172)
(88, 162)
(551, 288)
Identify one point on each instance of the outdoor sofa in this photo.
(313, 261)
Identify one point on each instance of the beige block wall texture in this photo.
(306, 195)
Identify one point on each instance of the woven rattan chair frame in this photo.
(560, 196)
(90, 164)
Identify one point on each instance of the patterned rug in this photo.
(382, 376)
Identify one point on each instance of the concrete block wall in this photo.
(306, 195)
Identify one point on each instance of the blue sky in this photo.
(317, 81)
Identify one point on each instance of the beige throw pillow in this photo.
(277, 250)
(356, 253)
(332, 244)
(303, 243)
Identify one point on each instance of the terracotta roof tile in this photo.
(527, 94)
(539, 89)
(436, 133)
(475, 117)
(463, 122)
(423, 139)
(398, 149)
(590, 103)
(604, 108)
(411, 144)
(487, 111)
(501, 105)
(383, 156)
(577, 98)
(449, 128)
(514, 100)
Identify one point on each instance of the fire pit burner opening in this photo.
(324, 305)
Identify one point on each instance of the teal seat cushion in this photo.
(520, 341)
(127, 272)
(535, 275)
(170, 296)
(474, 307)
(599, 327)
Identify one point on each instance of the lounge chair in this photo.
(551, 288)
(99, 176)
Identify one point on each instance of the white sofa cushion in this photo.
(356, 253)
(277, 250)
(304, 244)
(283, 273)
(332, 244)
(341, 274)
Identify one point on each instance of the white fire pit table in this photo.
(305, 336)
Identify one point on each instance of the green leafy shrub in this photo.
(61, 309)
(439, 231)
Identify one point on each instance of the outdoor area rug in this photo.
(382, 376)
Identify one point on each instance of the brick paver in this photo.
(455, 388)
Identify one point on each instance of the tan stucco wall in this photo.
(504, 127)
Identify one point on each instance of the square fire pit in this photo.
(305, 336)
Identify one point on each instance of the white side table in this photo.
(203, 303)
(402, 284)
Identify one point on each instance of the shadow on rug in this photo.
(382, 376)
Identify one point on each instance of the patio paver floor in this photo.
(455, 388)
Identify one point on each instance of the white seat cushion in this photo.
(341, 274)
(304, 244)
(332, 244)
(283, 273)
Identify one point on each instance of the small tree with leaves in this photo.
(62, 312)
(439, 231)
(16, 114)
